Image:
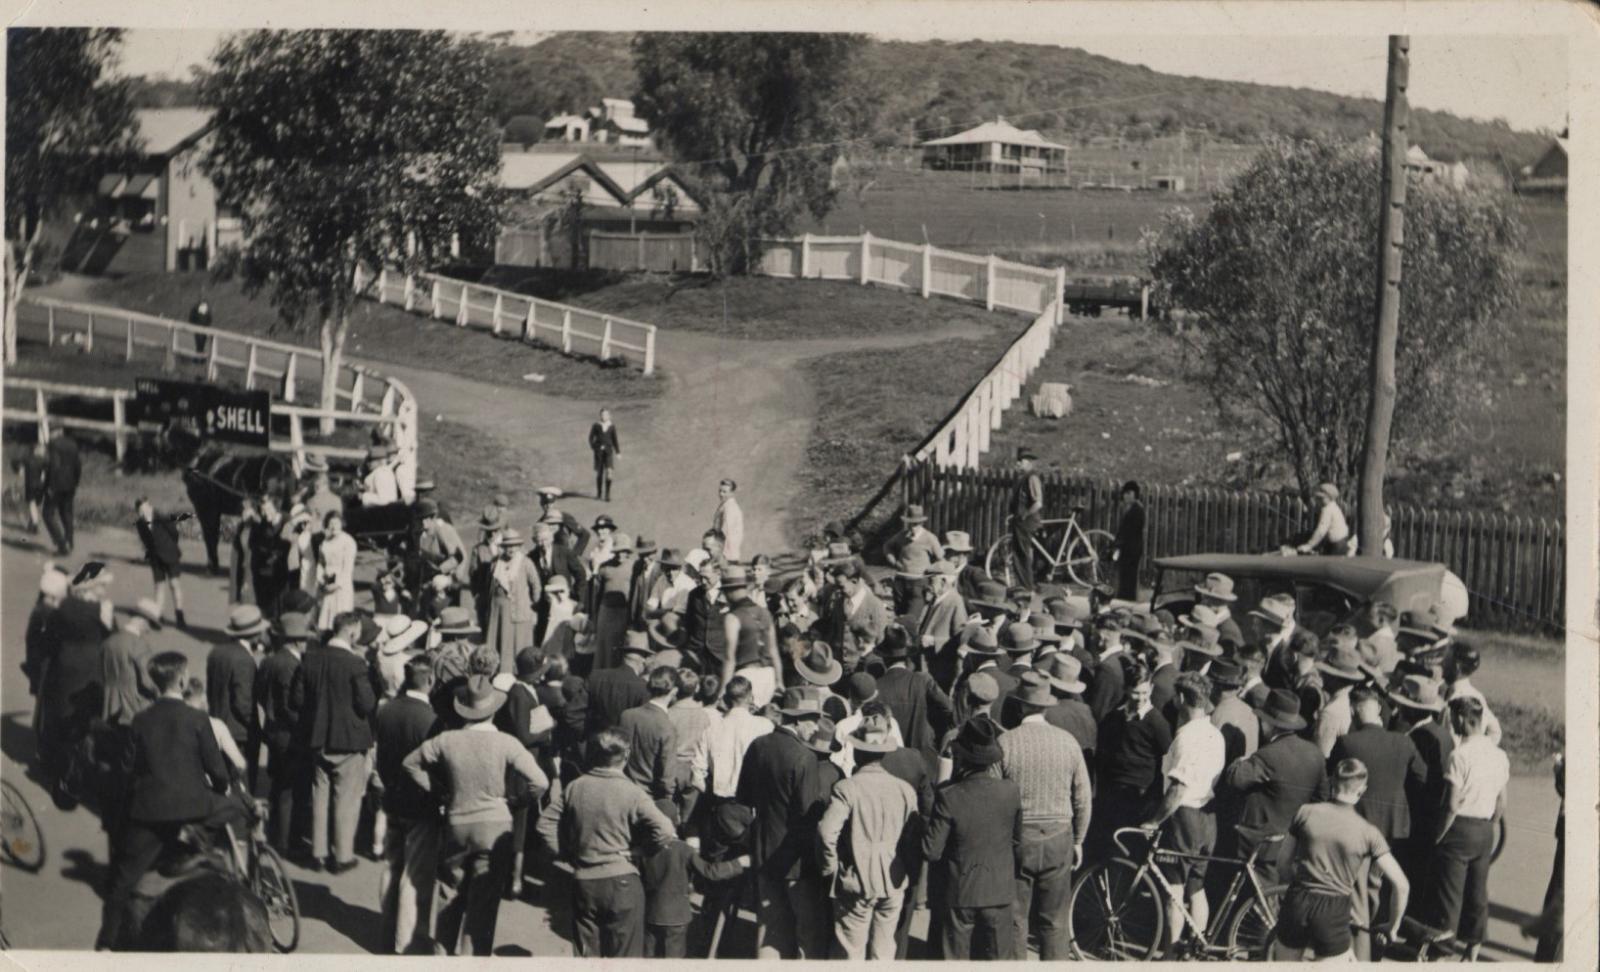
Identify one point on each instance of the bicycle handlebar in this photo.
(1116, 835)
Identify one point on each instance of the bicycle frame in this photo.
(1244, 874)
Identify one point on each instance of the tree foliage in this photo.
(1280, 280)
(338, 146)
(67, 121)
(760, 118)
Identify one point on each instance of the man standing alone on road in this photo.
(729, 520)
(1130, 542)
(62, 472)
(603, 443)
(1027, 512)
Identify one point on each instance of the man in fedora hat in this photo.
(288, 765)
(1216, 593)
(231, 680)
(128, 689)
(1275, 626)
(911, 552)
(939, 632)
(514, 594)
(1070, 712)
(1284, 774)
(553, 559)
(1027, 512)
(970, 843)
(615, 690)
(379, 487)
(1190, 768)
(749, 636)
(411, 841)
(332, 693)
(1233, 717)
(920, 708)
(1341, 670)
(778, 781)
(869, 874)
(453, 656)
(646, 575)
(1418, 711)
(570, 532)
(1332, 536)
(471, 771)
(728, 520)
(1108, 687)
(1048, 767)
(982, 656)
(958, 551)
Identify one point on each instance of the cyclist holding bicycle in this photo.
(1027, 513)
(1334, 847)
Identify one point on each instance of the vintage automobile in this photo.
(1327, 590)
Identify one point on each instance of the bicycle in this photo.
(1079, 554)
(21, 840)
(1417, 943)
(258, 867)
(1117, 909)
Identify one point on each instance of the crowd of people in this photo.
(659, 736)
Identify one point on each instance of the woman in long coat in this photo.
(514, 591)
(613, 584)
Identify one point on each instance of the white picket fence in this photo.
(286, 369)
(574, 330)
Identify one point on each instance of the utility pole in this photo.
(1391, 239)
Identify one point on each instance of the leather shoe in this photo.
(339, 867)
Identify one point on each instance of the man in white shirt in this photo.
(719, 754)
(863, 691)
(380, 488)
(1190, 767)
(1332, 536)
(1459, 667)
(729, 520)
(1474, 799)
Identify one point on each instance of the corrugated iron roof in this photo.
(996, 131)
(163, 130)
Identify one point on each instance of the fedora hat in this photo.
(1206, 641)
(1203, 616)
(670, 559)
(427, 508)
(1033, 689)
(1018, 638)
(513, 538)
(1219, 586)
(644, 545)
(622, 543)
(1342, 661)
(456, 621)
(1282, 710)
(493, 518)
(637, 642)
(1065, 673)
(245, 620)
(978, 742)
(1023, 452)
(402, 639)
(477, 699)
(896, 643)
(315, 464)
(913, 514)
(1226, 673)
(1065, 614)
(667, 632)
(991, 598)
(1276, 609)
(867, 739)
(1418, 692)
(941, 568)
(294, 626)
(549, 492)
(147, 608)
(798, 704)
(825, 737)
(982, 642)
(957, 541)
(1044, 627)
(818, 666)
(983, 687)
(734, 578)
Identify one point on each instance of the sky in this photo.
(1522, 79)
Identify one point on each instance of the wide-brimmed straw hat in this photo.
(957, 541)
(245, 620)
(1275, 609)
(1418, 692)
(401, 633)
(456, 621)
(825, 737)
(1064, 672)
(1219, 586)
(798, 704)
(818, 666)
(478, 699)
(866, 739)
(1034, 690)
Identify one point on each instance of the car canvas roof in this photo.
(1363, 577)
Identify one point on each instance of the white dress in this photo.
(336, 570)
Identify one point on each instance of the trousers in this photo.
(1459, 888)
(791, 917)
(977, 933)
(1044, 878)
(339, 779)
(405, 888)
(474, 862)
(666, 941)
(140, 845)
(288, 790)
(58, 518)
(608, 917)
(863, 928)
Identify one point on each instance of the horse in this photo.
(217, 481)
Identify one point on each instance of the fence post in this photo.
(927, 269)
(297, 439)
(1144, 302)
(694, 256)
(528, 321)
(411, 291)
(866, 254)
(211, 358)
(50, 324)
(358, 391)
(566, 330)
(605, 341)
(805, 255)
(172, 348)
(640, 240)
(499, 300)
(129, 353)
(383, 284)
(650, 351)
(288, 378)
(1061, 296)
(461, 308)
(355, 280)
(988, 284)
(88, 335)
(250, 368)
(433, 297)
(39, 406)
(119, 419)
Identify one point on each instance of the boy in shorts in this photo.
(1334, 847)
(159, 535)
(1190, 767)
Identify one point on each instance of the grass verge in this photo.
(386, 333)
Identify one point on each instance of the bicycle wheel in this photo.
(1115, 913)
(272, 885)
(1086, 557)
(19, 830)
(998, 562)
(1250, 931)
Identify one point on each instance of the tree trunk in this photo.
(16, 281)
(334, 329)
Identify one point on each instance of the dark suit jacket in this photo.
(62, 469)
(603, 443)
(402, 724)
(1277, 780)
(274, 682)
(231, 688)
(1163, 687)
(178, 769)
(654, 748)
(921, 709)
(613, 691)
(779, 782)
(1130, 531)
(907, 764)
(1426, 796)
(333, 694)
(160, 540)
(563, 562)
(1392, 762)
(1074, 716)
(1008, 683)
(974, 837)
(1106, 689)
(512, 719)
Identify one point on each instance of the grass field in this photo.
(386, 333)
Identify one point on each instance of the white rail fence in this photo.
(366, 397)
(574, 330)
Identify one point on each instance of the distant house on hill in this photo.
(612, 122)
(1454, 174)
(996, 146)
(162, 212)
(567, 128)
(1549, 173)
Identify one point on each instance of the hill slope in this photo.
(935, 86)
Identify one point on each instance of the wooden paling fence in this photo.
(574, 330)
(649, 252)
(1513, 566)
(366, 397)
